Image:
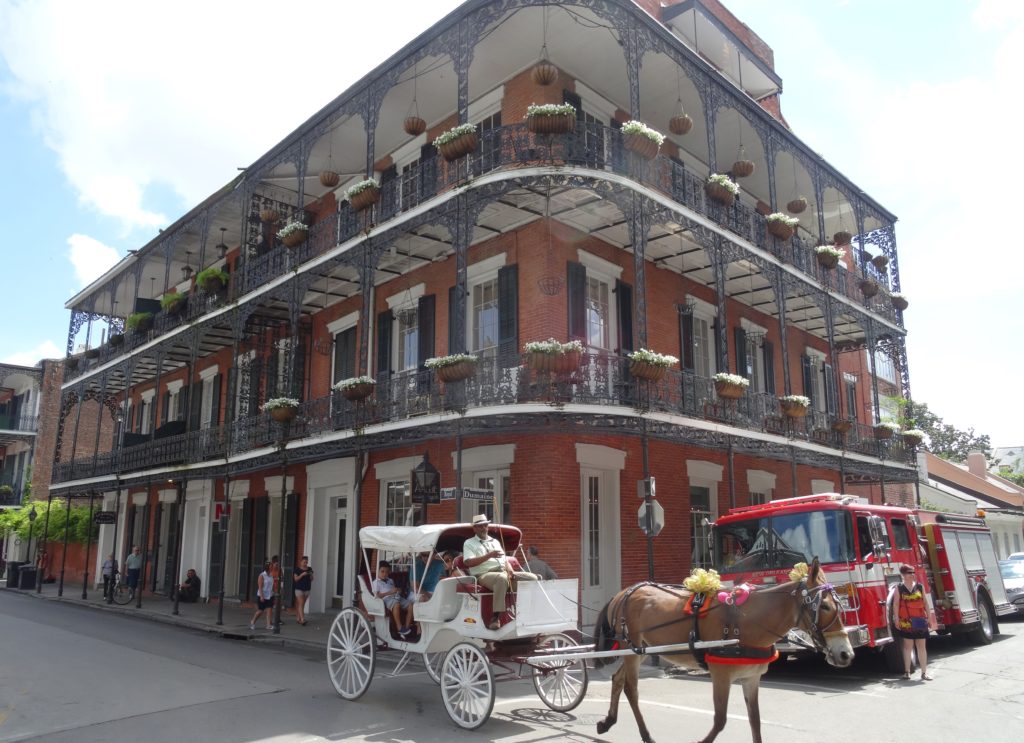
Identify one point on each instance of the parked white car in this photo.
(1013, 578)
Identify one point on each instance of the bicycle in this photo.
(123, 593)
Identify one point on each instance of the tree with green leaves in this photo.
(16, 521)
(942, 439)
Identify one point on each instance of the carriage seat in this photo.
(443, 605)
(468, 584)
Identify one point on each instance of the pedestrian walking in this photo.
(133, 566)
(264, 596)
(914, 618)
(539, 567)
(109, 571)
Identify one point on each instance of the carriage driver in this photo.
(486, 560)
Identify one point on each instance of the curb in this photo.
(178, 621)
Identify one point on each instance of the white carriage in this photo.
(456, 646)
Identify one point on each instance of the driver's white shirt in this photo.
(476, 547)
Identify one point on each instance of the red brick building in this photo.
(587, 234)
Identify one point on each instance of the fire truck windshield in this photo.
(780, 541)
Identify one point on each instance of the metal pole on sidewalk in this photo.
(46, 531)
(180, 515)
(224, 554)
(145, 549)
(113, 547)
(279, 583)
(88, 548)
(64, 552)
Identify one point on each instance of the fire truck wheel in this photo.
(987, 627)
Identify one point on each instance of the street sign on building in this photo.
(104, 517)
(467, 494)
(657, 518)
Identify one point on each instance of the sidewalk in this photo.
(200, 616)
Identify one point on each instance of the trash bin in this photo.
(28, 577)
(12, 573)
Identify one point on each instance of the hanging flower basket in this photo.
(721, 189)
(414, 125)
(552, 356)
(71, 363)
(293, 234)
(211, 280)
(329, 179)
(544, 73)
(116, 340)
(781, 226)
(680, 124)
(730, 386)
(842, 426)
(828, 257)
(868, 288)
(356, 388)
(795, 406)
(363, 195)
(269, 215)
(913, 437)
(644, 370)
(92, 353)
(880, 261)
(551, 119)
(282, 409)
(457, 142)
(743, 168)
(842, 238)
(639, 138)
(139, 322)
(899, 302)
(173, 303)
(885, 430)
(797, 205)
(649, 365)
(453, 368)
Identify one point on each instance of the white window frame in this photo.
(707, 313)
(147, 410)
(173, 401)
(335, 328)
(756, 353)
(393, 471)
(763, 482)
(819, 486)
(206, 376)
(399, 301)
(818, 361)
(479, 273)
(608, 273)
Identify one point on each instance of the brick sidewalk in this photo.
(200, 616)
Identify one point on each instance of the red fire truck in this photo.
(861, 548)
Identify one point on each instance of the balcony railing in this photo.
(21, 422)
(601, 380)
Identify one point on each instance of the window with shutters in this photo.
(206, 411)
(814, 378)
(598, 314)
(593, 303)
(173, 403)
(484, 317)
(490, 142)
(703, 346)
(145, 415)
(345, 361)
(850, 396)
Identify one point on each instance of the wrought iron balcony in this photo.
(600, 380)
(20, 422)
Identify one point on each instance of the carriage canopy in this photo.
(432, 537)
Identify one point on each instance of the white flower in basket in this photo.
(641, 129)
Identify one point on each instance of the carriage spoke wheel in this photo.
(467, 686)
(433, 662)
(560, 683)
(351, 653)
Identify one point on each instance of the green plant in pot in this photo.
(173, 302)
(211, 280)
(140, 322)
(116, 340)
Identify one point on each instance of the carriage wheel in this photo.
(433, 662)
(560, 684)
(351, 653)
(467, 686)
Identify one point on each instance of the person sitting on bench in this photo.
(486, 560)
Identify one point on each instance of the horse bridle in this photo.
(810, 607)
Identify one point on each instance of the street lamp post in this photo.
(32, 515)
(426, 484)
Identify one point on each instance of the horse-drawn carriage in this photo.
(461, 652)
(453, 641)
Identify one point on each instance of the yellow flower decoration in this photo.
(799, 572)
(703, 581)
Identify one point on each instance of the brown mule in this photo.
(650, 614)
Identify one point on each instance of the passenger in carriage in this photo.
(487, 562)
(426, 576)
(384, 588)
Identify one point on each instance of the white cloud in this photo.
(90, 258)
(143, 96)
(31, 357)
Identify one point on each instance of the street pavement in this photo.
(74, 672)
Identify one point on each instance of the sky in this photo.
(116, 122)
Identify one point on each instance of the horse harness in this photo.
(739, 654)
